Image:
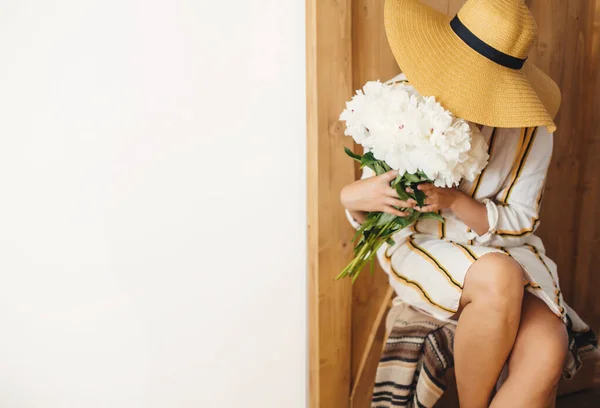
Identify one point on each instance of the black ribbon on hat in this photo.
(484, 49)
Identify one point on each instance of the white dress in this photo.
(428, 263)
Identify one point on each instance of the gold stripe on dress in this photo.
(480, 176)
(527, 150)
(532, 285)
(520, 164)
(467, 251)
(403, 279)
(417, 249)
(516, 161)
(442, 226)
(557, 293)
(534, 221)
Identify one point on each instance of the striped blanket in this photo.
(418, 352)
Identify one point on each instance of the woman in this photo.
(484, 267)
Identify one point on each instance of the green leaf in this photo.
(419, 195)
(415, 215)
(390, 242)
(423, 176)
(412, 178)
(403, 221)
(431, 216)
(402, 194)
(372, 218)
(379, 168)
(355, 156)
(385, 219)
(368, 158)
(396, 181)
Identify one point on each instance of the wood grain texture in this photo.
(559, 52)
(372, 59)
(362, 386)
(329, 85)
(586, 280)
(568, 50)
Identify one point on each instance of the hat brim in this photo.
(438, 63)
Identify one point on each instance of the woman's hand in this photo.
(374, 194)
(438, 198)
(470, 211)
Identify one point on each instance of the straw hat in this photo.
(475, 63)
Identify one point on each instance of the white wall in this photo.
(152, 204)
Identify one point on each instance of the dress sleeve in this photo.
(515, 211)
(366, 173)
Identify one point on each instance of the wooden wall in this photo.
(568, 49)
(346, 46)
(329, 83)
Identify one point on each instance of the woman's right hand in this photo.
(374, 194)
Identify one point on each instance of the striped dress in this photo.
(428, 263)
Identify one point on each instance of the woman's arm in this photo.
(470, 211)
(514, 212)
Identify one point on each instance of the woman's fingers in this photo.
(390, 192)
(391, 210)
(396, 202)
(427, 208)
(389, 176)
(425, 187)
(429, 200)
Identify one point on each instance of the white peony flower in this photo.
(413, 133)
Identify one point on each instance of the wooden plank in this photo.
(329, 84)
(372, 59)
(560, 53)
(372, 56)
(586, 279)
(362, 387)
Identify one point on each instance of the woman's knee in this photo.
(497, 280)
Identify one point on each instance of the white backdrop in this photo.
(152, 204)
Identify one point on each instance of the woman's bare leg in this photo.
(536, 362)
(490, 310)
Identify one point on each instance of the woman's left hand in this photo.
(438, 198)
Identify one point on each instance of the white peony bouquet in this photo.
(402, 130)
